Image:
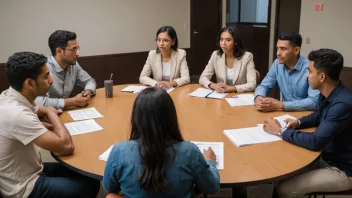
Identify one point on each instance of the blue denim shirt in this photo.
(189, 169)
(296, 93)
(333, 120)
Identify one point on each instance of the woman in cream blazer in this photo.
(232, 65)
(167, 64)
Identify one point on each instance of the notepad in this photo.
(133, 89)
(82, 127)
(106, 154)
(241, 100)
(207, 93)
(217, 147)
(85, 114)
(249, 136)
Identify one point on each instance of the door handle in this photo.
(195, 32)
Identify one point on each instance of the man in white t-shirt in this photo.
(24, 127)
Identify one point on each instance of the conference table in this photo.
(200, 119)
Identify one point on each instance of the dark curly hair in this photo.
(294, 38)
(23, 65)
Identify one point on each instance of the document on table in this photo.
(241, 100)
(282, 118)
(133, 88)
(207, 93)
(249, 136)
(81, 127)
(85, 114)
(217, 147)
(106, 154)
(168, 90)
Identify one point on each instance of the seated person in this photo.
(22, 133)
(156, 161)
(66, 73)
(232, 64)
(333, 119)
(167, 63)
(289, 72)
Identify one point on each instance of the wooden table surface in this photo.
(200, 119)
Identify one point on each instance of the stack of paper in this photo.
(241, 100)
(133, 89)
(81, 127)
(85, 114)
(248, 136)
(207, 93)
(217, 147)
(106, 154)
(170, 89)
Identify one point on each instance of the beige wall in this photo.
(330, 28)
(103, 27)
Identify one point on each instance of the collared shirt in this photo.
(20, 159)
(64, 82)
(189, 168)
(296, 93)
(333, 120)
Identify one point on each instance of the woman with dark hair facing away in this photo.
(156, 161)
(167, 63)
(232, 64)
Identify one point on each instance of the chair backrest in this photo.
(258, 76)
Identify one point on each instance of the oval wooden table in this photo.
(200, 119)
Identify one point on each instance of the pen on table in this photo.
(234, 96)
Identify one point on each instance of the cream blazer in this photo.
(244, 75)
(178, 68)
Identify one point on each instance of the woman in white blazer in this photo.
(231, 63)
(167, 64)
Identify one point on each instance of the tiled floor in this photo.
(260, 191)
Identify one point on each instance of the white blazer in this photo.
(178, 68)
(244, 74)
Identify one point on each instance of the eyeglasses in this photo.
(75, 49)
(158, 40)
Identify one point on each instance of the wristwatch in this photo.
(283, 129)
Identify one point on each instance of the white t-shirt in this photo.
(20, 159)
(166, 71)
(229, 76)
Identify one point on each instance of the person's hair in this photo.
(294, 38)
(155, 128)
(23, 65)
(327, 61)
(59, 39)
(238, 49)
(172, 33)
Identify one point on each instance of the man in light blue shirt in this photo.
(289, 72)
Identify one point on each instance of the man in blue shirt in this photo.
(333, 136)
(289, 72)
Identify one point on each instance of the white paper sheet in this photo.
(201, 92)
(106, 154)
(82, 127)
(217, 147)
(85, 114)
(217, 95)
(282, 118)
(249, 136)
(170, 89)
(133, 88)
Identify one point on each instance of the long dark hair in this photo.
(172, 33)
(239, 48)
(155, 128)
